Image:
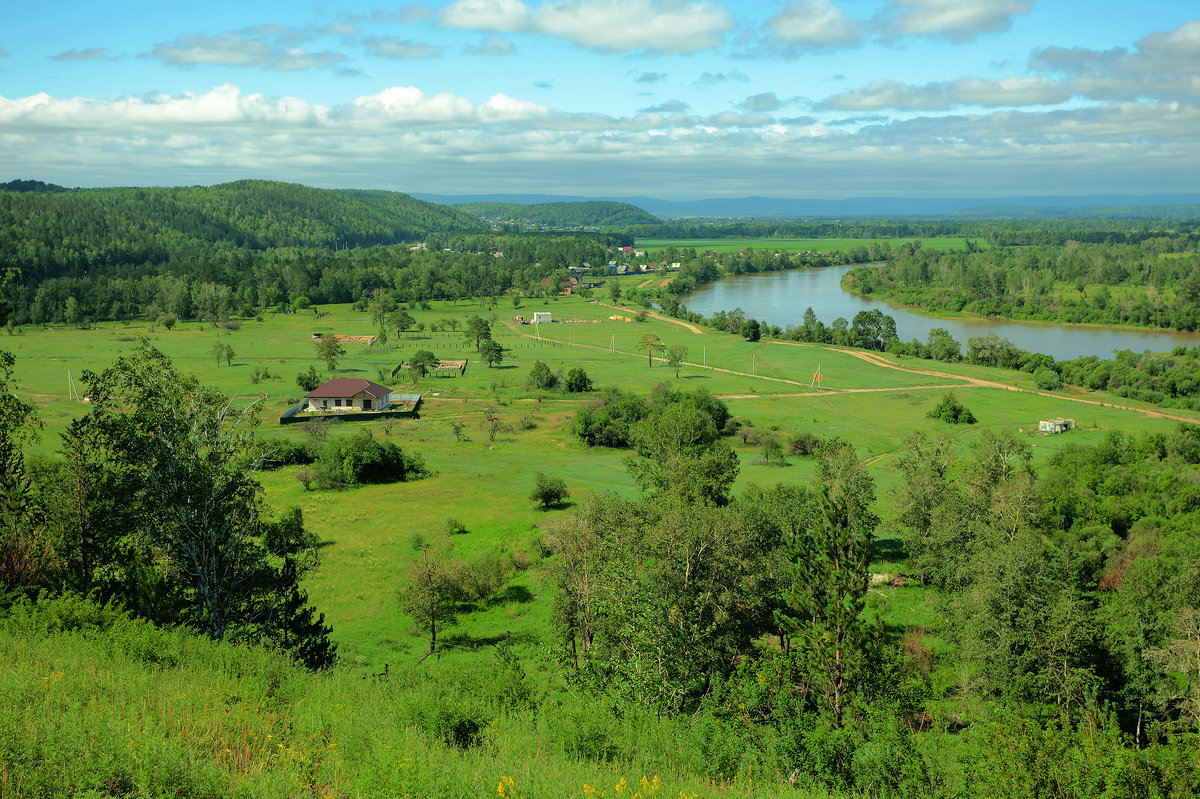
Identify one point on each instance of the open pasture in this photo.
(873, 400)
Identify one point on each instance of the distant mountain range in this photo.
(1120, 205)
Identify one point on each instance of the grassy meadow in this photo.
(874, 402)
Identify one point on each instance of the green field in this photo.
(796, 245)
(874, 404)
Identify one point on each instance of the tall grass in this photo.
(97, 704)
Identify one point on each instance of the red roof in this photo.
(343, 387)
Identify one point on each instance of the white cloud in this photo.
(1164, 65)
(1009, 91)
(88, 54)
(766, 101)
(668, 107)
(650, 77)
(391, 47)
(717, 78)
(505, 16)
(1013, 91)
(402, 138)
(233, 49)
(814, 25)
(491, 44)
(672, 26)
(890, 94)
(959, 20)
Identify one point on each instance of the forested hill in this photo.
(599, 213)
(77, 231)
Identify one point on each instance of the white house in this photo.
(348, 394)
(542, 318)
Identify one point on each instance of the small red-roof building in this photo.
(348, 394)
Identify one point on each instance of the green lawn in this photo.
(485, 484)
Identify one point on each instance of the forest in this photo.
(1153, 283)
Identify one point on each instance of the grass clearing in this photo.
(875, 403)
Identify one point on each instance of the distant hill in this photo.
(566, 214)
(31, 185)
(1110, 205)
(53, 232)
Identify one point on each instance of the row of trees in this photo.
(1155, 283)
(152, 502)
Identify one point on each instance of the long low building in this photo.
(348, 394)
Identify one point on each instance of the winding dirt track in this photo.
(869, 357)
(658, 316)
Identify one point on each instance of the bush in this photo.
(361, 460)
(549, 492)
(1046, 379)
(578, 381)
(952, 411)
(310, 380)
(541, 378)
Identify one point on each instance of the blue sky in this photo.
(670, 98)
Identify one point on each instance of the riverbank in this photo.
(781, 298)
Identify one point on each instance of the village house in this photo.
(347, 394)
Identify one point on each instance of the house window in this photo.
(337, 403)
(325, 403)
(366, 405)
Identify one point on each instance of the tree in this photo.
(478, 329)
(422, 363)
(681, 454)
(751, 330)
(822, 605)
(330, 350)
(401, 320)
(431, 595)
(491, 352)
(541, 378)
(614, 290)
(676, 355)
(24, 552)
(493, 425)
(651, 344)
(548, 492)
(223, 352)
(309, 381)
(951, 410)
(578, 381)
(186, 459)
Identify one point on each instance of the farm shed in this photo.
(1056, 425)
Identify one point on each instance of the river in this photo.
(780, 298)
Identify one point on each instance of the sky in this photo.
(678, 99)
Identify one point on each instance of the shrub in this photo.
(541, 378)
(578, 381)
(1046, 379)
(361, 460)
(549, 492)
(455, 527)
(952, 411)
(310, 380)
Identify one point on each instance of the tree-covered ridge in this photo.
(598, 213)
(995, 231)
(1154, 283)
(77, 232)
(31, 185)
